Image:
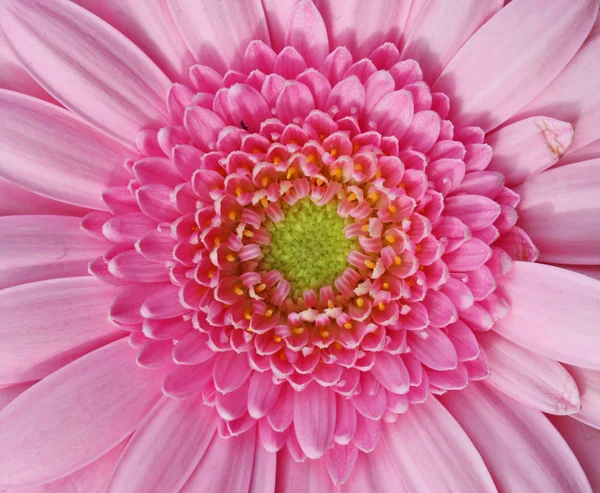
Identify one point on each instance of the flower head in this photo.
(318, 238)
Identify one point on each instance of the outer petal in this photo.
(553, 312)
(363, 26)
(92, 69)
(585, 444)
(528, 147)
(105, 395)
(35, 248)
(309, 476)
(538, 40)
(226, 467)
(217, 33)
(47, 324)
(573, 96)
(442, 28)
(314, 419)
(184, 430)
(522, 450)
(264, 471)
(49, 151)
(529, 378)
(150, 26)
(560, 211)
(307, 33)
(588, 382)
(433, 453)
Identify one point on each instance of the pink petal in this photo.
(105, 396)
(584, 441)
(247, 105)
(362, 27)
(217, 33)
(436, 352)
(590, 151)
(47, 324)
(163, 304)
(512, 437)
(512, 73)
(47, 150)
(35, 248)
(588, 382)
(150, 26)
(203, 126)
(340, 461)
(314, 419)
(93, 70)
(560, 211)
(262, 394)
(524, 149)
(391, 372)
(184, 430)
(471, 255)
(572, 96)
(559, 309)
(533, 380)
(448, 463)
(294, 103)
(226, 466)
(393, 114)
(132, 266)
(446, 25)
(128, 302)
(231, 370)
(309, 476)
(306, 32)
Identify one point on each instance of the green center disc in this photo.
(308, 246)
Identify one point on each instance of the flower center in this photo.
(308, 246)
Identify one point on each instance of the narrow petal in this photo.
(93, 70)
(47, 324)
(218, 33)
(573, 95)
(314, 419)
(521, 449)
(510, 74)
(184, 428)
(226, 466)
(361, 27)
(559, 309)
(307, 33)
(560, 211)
(47, 150)
(449, 462)
(105, 396)
(588, 382)
(309, 476)
(524, 149)
(442, 28)
(264, 471)
(35, 248)
(535, 381)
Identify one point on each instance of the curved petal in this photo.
(533, 380)
(226, 466)
(151, 27)
(34, 248)
(307, 33)
(512, 69)
(278, 13)
(264, 470)
(184, 428)
(588, 382)
(363, 26)
(573, 96)
(441, 28)
(433, 453)
(584, 441)
(47, 324)
(314, 419)
(105, 395)
(524, 149)
(309, 476)
(522, 450)
(553, 312)
(47, 150)
(560, 211)
(218, 33)
(87, 65)
(590, 151)
(9, 394)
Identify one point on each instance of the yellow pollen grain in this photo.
(330, 304)
(392, 208)
(422, 267)
(365, 227)
(370, 264)
(298, 330)
(410, 282)
(338, 346)
(238, 191)
(249, 329)
(378, 174)
(217, 241)
(352, 197)
(381, 306)
(324, 333)
(359, 302)
(232, 215)
(211, 273)
(311, 158)
(386, 285)
(291, 172)
(390, 239)
(373, 197)
(264, 202)
(334, 152)
(248, 234)
(319, 182)
(348, 325)
(336, 173)
(256, 150)
(269, 313)
(230, 257)
(397, 260)
(260, 288)
(265, 181)
(248, 315)
(358, 167)
(276, 160)
(238, 290)
(277, 338)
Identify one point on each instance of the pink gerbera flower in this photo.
(315, 270)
